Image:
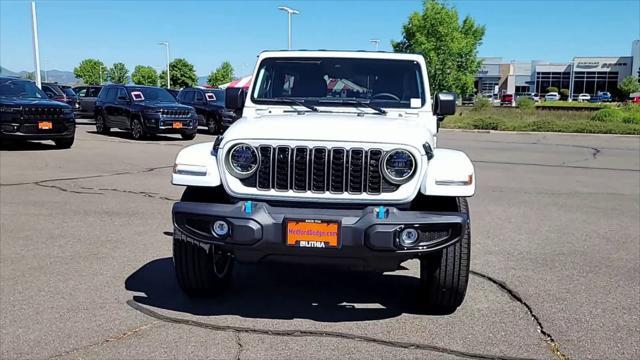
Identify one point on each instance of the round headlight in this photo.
(242, 160)
(398, 166)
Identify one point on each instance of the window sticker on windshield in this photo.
(210, 96)
(415, 103)
(137, 96)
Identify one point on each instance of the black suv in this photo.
(26, 113)
(143, 110)
(210, 107)
(87, 95)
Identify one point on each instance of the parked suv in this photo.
(143, 110)
(87, 95)
(315, 176)
(210, 107)
(27, 113)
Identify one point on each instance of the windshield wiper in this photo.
(297, 102)
(368, 104)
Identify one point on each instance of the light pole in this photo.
(290, 12)
(36, 50)
(376, 42)
(166, 43)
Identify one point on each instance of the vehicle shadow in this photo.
(127, 136)
(27, 146)
(283, 292)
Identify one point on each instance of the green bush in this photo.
(482, 103)
(631, 114)
(608, 115)
(552, 89)
(487, 123)
(526, 103)
(564, 94)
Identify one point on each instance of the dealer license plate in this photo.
(45, 125)
(177, 125)
(313, 233)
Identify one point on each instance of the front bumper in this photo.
(165, 125)
(369, 237)
(28, 130)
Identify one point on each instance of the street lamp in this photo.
(376, 42)
(36, 50)
(166, 43)
(290, 12)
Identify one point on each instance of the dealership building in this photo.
(583, 74)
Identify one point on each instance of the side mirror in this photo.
(234, 98)
(444, 104)
(49, 94)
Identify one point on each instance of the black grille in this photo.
(318, 169)
(38, 113)
(174, 113)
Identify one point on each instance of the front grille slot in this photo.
(318, 169)
(37, 113)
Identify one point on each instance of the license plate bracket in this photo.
(312, 233)
(45, 125)
(177, 125)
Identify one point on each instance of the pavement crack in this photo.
(554, 347)
(240, 346)
(118, 337)
(317, 333)
(141, 193)
(553, 165)
(146, 170)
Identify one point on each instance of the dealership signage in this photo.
(599, 64)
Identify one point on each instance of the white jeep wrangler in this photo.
(334, 161)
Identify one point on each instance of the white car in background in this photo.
(584, 97)
(552, 96)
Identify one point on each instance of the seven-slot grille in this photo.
(175, 113)
(319, 169)
(38, 113)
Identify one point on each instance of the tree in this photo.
(91, 71)
(450, 48)
(629, 85)
(552, 89)
(30, 75)
(162, 79)
(564, 93)
(222, 75)
(144, 75)
(182, 74)
(118, 74)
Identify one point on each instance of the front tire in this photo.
(444, 275)
(201, 269)
(101, 125)
(64, 143)
(137, 131)
(212, 125)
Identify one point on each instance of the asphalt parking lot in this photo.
(86, 269)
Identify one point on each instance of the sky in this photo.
(209, 32)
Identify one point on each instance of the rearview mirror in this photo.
(234, 98)
(445, 104)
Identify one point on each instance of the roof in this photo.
(360, 54)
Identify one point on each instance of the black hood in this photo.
(153, 105)
(19, 102)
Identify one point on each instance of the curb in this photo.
(479, 131)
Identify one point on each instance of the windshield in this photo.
(340, 81)
(215, 95)
(152, 94)
(68, 92)
(20, 89)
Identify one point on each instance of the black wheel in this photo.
(444, 275)
(201, 269)
(137, 132)
(64, 143)
(212, 125)
(101, 125)
(188, 136)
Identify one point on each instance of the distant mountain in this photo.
(59, 76)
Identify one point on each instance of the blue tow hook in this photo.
(248, 205)
(381, 212)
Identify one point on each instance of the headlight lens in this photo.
(398, 166)
(152, 112)
(7, 109)
(242, 160)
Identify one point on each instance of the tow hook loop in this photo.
(382, 212)
(248, 207)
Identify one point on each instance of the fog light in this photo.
(408, 237)
(220, 228)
